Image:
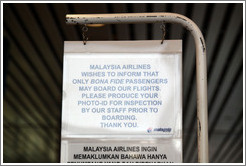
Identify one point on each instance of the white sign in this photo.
(122, 88)
(122, 151)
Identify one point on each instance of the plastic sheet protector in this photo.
(122, 102)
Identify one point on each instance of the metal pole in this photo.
(201, 68)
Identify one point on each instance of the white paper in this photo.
(117, 89)
(123, 151)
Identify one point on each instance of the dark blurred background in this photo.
(33, 61)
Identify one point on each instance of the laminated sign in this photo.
(122, 102)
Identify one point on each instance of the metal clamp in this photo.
(163, 28)
(84, 36)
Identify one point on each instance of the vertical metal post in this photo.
(201, 63)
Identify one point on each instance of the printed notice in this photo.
(122, 93)
(122, 151)
(122, 102)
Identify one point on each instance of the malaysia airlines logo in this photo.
(149, 130)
